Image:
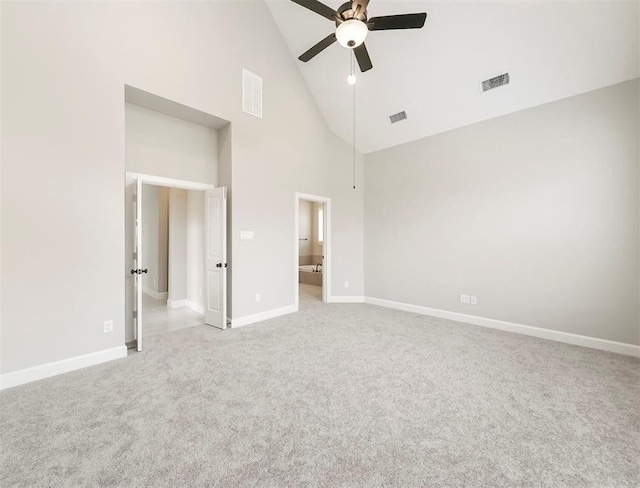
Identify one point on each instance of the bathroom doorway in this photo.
(312, 256)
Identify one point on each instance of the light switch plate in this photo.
(246, 235)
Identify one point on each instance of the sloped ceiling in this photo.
(552, 50)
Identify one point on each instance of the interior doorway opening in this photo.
(207, 256)
(312, 249)
(173, 257)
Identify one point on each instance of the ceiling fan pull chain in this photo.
(354, 122)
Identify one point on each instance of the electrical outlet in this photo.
(465, 299)
(474, 300)
(257, 298)
(107, 326)
(346, 284)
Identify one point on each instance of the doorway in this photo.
(312, 263)
(173, 257)
(178, 250)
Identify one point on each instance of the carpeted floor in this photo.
(335, 395)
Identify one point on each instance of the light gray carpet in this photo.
(336, 395)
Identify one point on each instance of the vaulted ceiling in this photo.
(552, 50)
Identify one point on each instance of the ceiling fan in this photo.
(352, 27)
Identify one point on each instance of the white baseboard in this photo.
(36, 373)
(553, 335)
(154, 294)
(186, 303)
(177, 303)
(259, 317)
(194, 306)
(341, 299)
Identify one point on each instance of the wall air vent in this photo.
(495, 82)
(395, 118)
(251, 94)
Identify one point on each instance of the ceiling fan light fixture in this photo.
(351, 33)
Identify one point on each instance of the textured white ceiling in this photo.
(552, 50)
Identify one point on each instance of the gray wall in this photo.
(158, 144)
(535, 213)
(63, 131)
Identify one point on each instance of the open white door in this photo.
(215, 281)
(137, 265)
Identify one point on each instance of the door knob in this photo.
(139, 271)
(219, 265)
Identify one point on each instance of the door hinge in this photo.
(135, 314)
(135, 255)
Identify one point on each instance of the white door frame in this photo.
(145, 179)
(326, 247)
(170, 182)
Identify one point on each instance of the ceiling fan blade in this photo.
(319, 8)
(392, 22)
(318, 48)
(362, 55)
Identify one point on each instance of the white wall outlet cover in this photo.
(346, 284)
(107, 326)
(474, 300)
(257, 298)
(465, 299)
(246, 235)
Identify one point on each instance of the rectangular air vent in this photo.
(395, 118)
(251, 94)
(495, 82)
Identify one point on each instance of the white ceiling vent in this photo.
(400, 116)
(251, 94)
(495, 82)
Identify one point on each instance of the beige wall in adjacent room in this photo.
(536, 213)
(310, 251)
(177, 244)
(195, 247)
(305, 234)
(155, 239)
